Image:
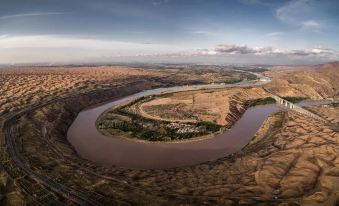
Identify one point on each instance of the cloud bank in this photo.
(63, 48)
(229, 53)
(23, 15)
(229, 49)
(51, 48)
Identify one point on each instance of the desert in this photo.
(290, 160)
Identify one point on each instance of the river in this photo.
(107, 151)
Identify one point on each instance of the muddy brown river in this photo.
(105, 150)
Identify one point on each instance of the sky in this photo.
(169, 31)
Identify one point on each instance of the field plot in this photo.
(209, 105)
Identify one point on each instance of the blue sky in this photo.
(213, 31)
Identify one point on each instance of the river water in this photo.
(107, 151)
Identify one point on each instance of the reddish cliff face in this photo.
(236, 110)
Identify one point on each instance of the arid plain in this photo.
(292, 159)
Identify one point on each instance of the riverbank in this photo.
(137, 120)
(184, 150)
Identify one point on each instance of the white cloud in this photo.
(311, 24)
(54, 41)
(159, 2)
(274, 34)
(203, 32)
(206, 52)
(231, 49)
(294, 10)
(58, 48)
(265, 3)
(224, 53)
(227, 49)
(3, 36)
(29, 14)
(300, 14)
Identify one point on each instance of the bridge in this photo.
(297, 108)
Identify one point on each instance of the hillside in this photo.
(315, 82)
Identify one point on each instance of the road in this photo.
(68, 193)
(58, 188)
(62, 190)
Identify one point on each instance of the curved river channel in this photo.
(105, 150)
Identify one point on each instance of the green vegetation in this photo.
(204, 71)
(248, 76)
(228, 76)
(281, 117)
(335, 104)
(210, 126)
(260, 101)
(137, 126)
(259, 70)
(231, 81)
(251, 69)
(295, 99)
(242, 76)
(152, 130)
